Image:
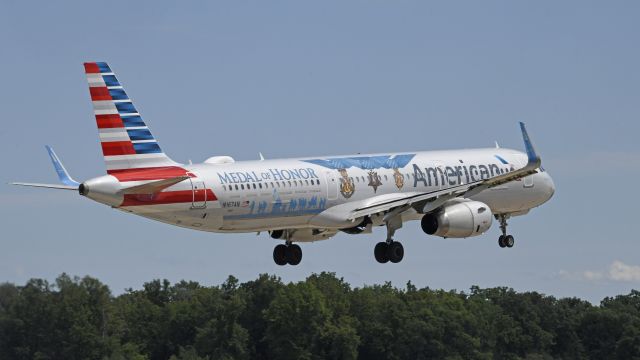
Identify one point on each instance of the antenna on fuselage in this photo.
(497, 145)
(261, 157)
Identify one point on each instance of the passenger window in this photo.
(242, 186)
(307, 182)
(236, 186)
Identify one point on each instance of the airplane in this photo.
(454, 193)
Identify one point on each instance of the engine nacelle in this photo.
(459, 219)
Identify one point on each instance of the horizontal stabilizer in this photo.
(48, 186)
(67, 181)
(153, 187)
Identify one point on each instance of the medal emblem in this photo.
(399, 178)
(374, 180)
(347, 187)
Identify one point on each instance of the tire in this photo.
(509, 241)
(280, 254)
(380, 252)
(501, 241)
(395, 252)
(294, 254)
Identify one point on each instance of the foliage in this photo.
(319, 318)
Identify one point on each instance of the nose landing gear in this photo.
(504, 240)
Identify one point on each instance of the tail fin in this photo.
(127, 142)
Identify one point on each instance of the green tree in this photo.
(223, 337)
(296, 319)
(258, 295)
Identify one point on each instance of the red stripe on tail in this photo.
(99, 93)
(117, 148)
(91, 68)
(109, 121)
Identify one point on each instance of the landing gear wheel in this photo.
(294, 254)
(501, 241)
(508, 241)
(380, 252)
(280, 254)
(395, 252)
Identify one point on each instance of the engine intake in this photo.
(458, 220)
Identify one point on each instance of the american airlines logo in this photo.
(452, 175)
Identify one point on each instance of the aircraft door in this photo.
(199, 194)
(332, 185)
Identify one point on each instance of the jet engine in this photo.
(458, 219)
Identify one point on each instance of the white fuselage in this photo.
(265, 195)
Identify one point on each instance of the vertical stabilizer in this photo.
(127, 142)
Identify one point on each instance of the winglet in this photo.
(63, 175)
(533, 157)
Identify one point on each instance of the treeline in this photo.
(322, 317)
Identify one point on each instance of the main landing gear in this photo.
(390, 250)
(504, 240)
(287, 253)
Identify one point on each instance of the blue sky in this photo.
(333, 77)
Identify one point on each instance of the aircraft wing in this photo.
(429, 201)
